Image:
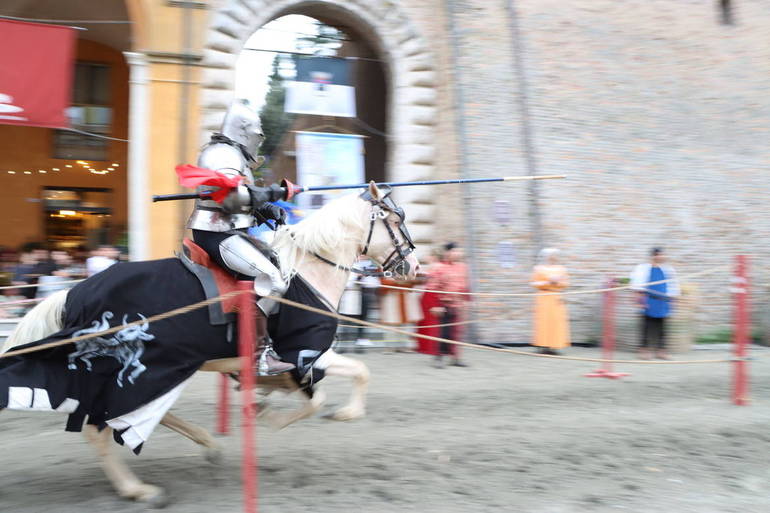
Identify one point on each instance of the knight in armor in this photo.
(221, 228)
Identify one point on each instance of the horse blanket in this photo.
(300, 336)
(129, 380)
(108, 378)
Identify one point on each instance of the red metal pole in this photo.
(246, 338)
(740, 291)
(223, 408)
(608, 342)
(608, 335)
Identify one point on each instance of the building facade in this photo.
(655, 110)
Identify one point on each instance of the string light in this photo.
(83, 163)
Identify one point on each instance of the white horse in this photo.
(321, 249)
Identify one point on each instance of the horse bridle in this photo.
(396, 262)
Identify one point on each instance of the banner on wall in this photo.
(327, 159)
(36, 66)
(322, 87)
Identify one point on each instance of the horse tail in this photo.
(43, 320)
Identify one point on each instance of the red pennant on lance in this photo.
(36, 66)
(192, 176)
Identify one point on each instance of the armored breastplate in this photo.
(234, 212)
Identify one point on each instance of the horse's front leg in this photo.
(123, 480)
(337, 365)
(195, 433)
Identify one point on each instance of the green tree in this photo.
(275, 122)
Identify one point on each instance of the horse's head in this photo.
(387, 240)
(345, 228)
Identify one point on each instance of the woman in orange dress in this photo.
(551, 322)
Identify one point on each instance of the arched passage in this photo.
(409, 70)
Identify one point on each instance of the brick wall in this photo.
(657, 112)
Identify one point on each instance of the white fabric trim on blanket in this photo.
(139, 424)
(37, 399)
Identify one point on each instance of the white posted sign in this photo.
(327, 159)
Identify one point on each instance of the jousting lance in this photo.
(293, 189)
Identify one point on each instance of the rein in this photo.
(362, 272)
(397, 258)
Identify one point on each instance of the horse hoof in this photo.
(154, 496)
(158, 501)
(347, 413)
(214, 455)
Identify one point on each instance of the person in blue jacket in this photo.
(657, 286)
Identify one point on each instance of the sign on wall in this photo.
(322, 87)
(327, 159)
(506, 254)
(36, 63)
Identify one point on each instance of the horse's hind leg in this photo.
(123, 480)
(278, 420)
(195, 433)
(338, 365)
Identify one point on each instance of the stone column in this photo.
(138, 205)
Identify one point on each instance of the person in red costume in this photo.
(428, 301)
(450, 276)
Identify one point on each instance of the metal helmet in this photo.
(243, 126)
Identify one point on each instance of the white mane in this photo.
(335, 232)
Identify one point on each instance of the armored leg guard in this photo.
(267, 361)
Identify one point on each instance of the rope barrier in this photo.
(480, 346)
(459, 323)
(39, 285)
(165, 315)
(570, 293)
(186, 309)
(21, 302)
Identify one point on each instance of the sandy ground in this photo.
(508, 434)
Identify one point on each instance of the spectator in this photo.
(368, 286)
(8, 260)
(350, 305)
(654, 301)
(80, 254)
(451, 276)
(12, 310)
(44, 264)
(399, 307)
(33, 262)
(102, 258)
(23, 268)
(551, 321)
(428, 301)
(64, 272)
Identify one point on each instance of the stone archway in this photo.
(409, 68)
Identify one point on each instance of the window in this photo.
(76, 216)
(90, 112)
